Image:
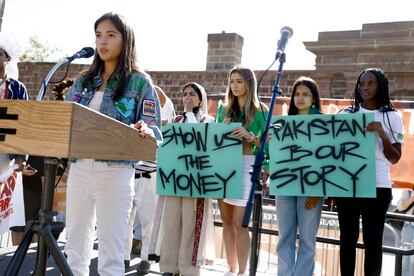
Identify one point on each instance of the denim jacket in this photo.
(139, 102)
(16, 91)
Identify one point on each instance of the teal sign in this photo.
(322, 155)
(200, 160)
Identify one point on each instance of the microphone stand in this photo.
(256, 190)
(46, 80)
(47, 230)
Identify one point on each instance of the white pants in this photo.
(145, 201)
(97, 194)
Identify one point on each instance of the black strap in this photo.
(145, 175)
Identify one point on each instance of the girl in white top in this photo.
(371, 95)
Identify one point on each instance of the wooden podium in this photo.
(66, 129)
(57, 129)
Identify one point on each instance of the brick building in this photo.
(340, 56)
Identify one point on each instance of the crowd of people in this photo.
(117, 198)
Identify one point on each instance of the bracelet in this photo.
(253, 139)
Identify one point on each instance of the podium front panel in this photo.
(67, 129)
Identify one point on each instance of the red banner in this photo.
(7, 188)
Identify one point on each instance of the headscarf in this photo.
(202, 97)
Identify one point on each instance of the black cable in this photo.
(60, 178)
(258, 93)
(66, 74)
(259, 236)
(258, 87)
(390, 127)
(56, 184)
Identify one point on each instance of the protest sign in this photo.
(200, 160)
(322, 155)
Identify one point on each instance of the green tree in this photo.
(37, 51)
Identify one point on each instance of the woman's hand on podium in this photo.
(143, 130)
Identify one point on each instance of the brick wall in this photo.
(339, 85)
(224, 51)
(32, 74)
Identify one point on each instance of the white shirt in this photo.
(393, 127)
(199, 118)
(96, 101)
(167, 111)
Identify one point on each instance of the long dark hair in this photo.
(127, 61)
(382, 97)
(252, 105)
(313, 87)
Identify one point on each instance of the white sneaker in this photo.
(228, 273)
(242, 274)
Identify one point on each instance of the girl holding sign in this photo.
(183, 249)
(242, 105)
(371, 95)
(299, 212)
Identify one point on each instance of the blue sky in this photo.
(172, 35)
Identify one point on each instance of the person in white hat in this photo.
(11, 88)
(10, 51)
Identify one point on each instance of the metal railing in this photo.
(329, 227)
(330, 220)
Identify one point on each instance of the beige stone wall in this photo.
(389, 46)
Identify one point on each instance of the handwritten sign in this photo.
(10, 189)
(200, 160)
(322, 155)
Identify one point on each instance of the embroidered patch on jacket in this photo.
(125, 107)
(149, 108)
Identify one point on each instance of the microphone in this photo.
(285, 33)
(84, 53)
